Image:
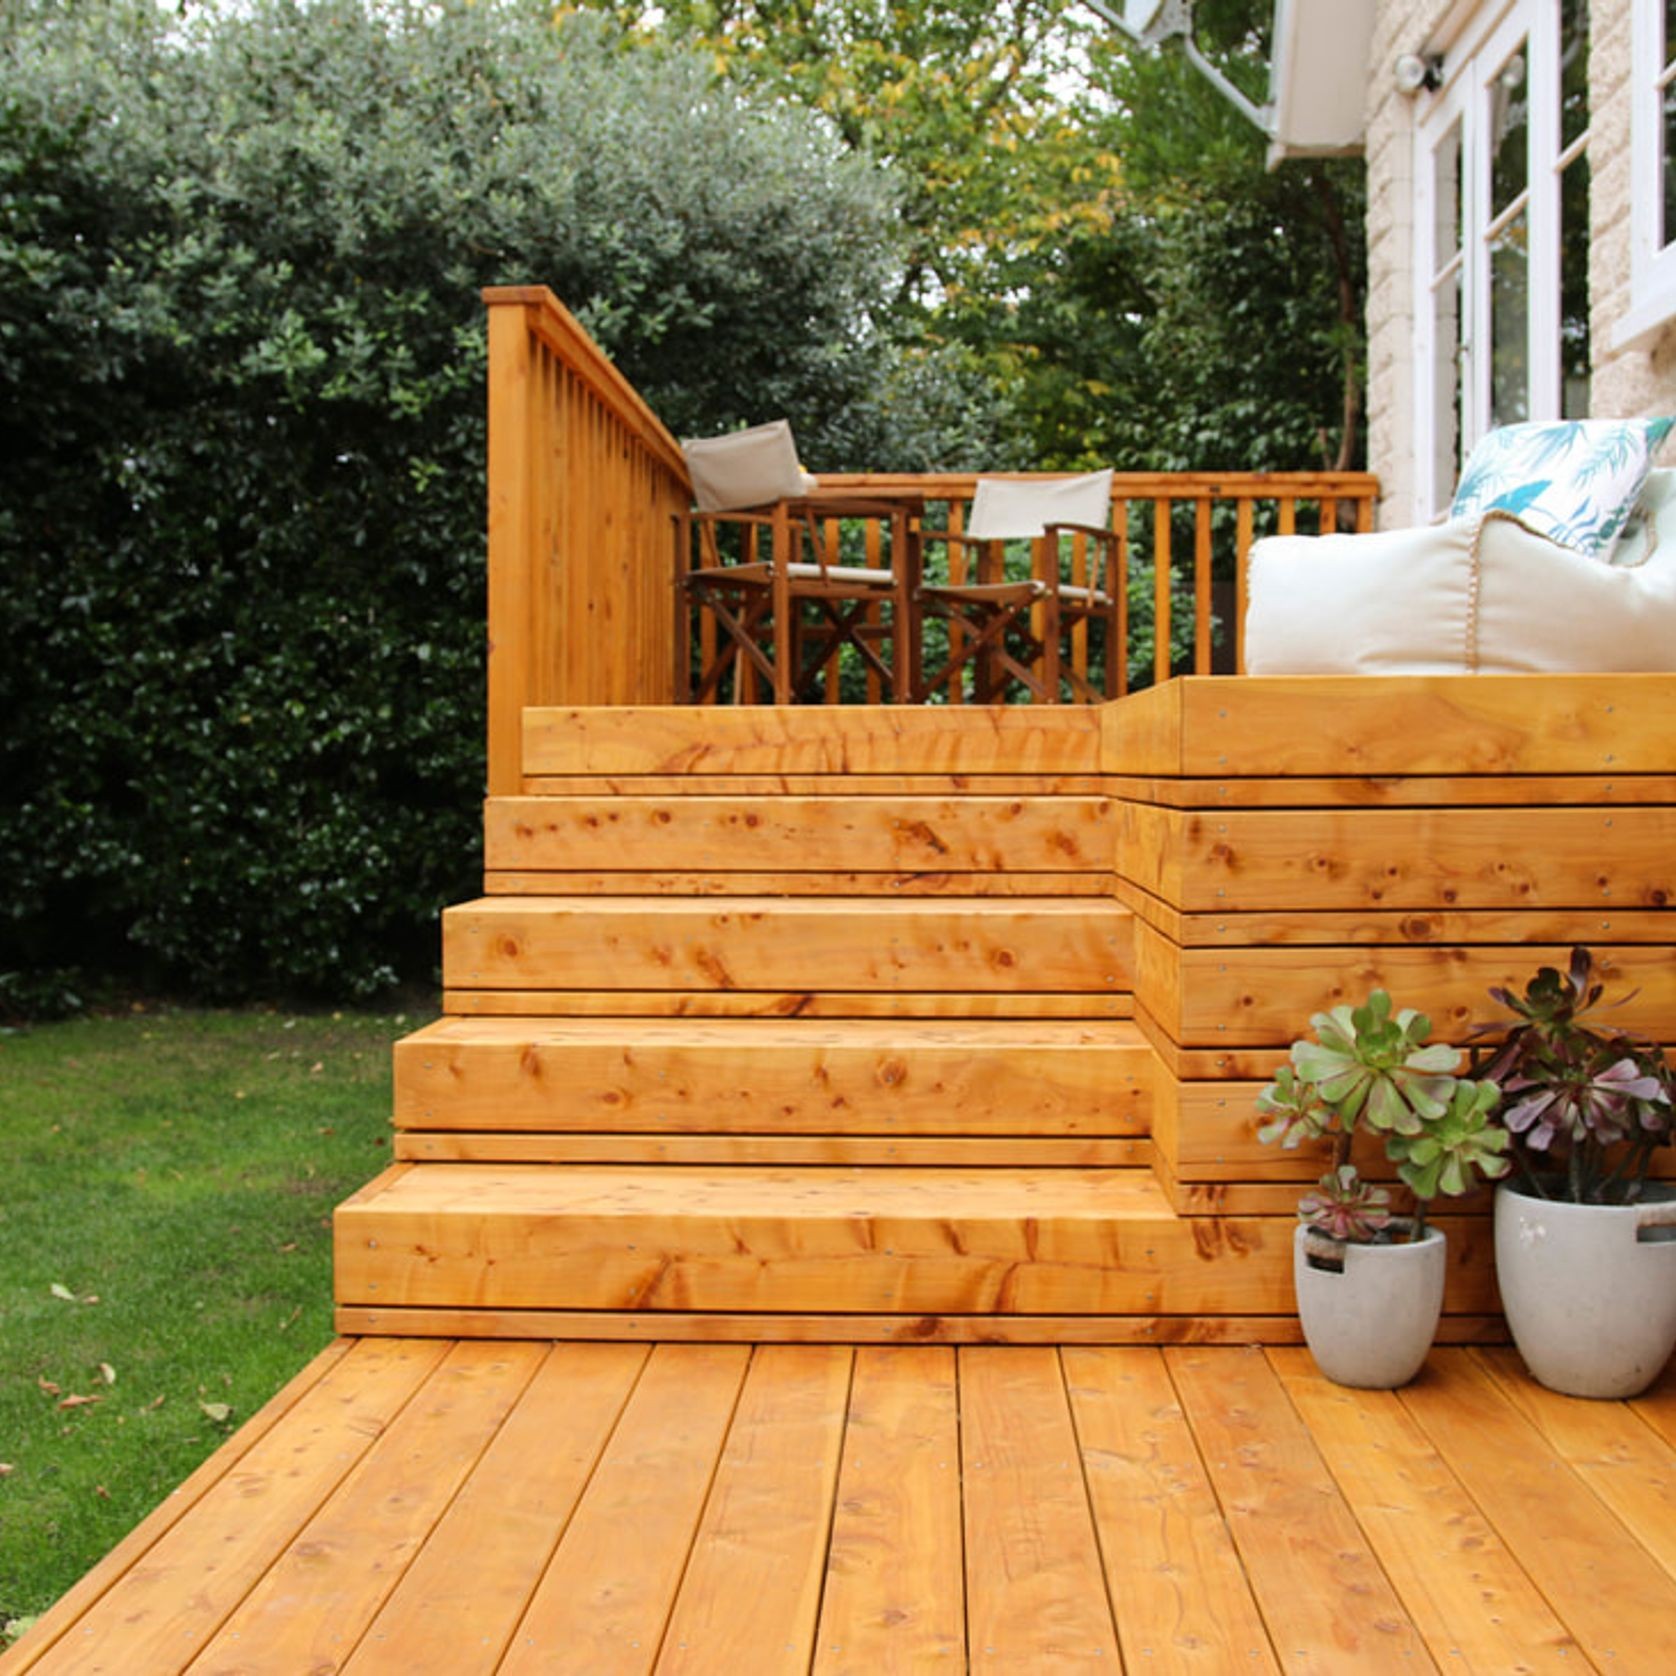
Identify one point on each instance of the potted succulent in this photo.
(1585, 1242)
(1369, 1283)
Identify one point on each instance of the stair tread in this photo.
(808, 907)
(884, 1033)
(801, 1192)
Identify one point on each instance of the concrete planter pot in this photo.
(1370, 1322)
(1589, 1290)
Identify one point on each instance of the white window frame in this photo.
(1652, 284)
(1470, 68)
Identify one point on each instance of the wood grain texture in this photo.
(525, 883)
(970, 834)
(1607, 1591)
(894, 1597)
(757, 784)
(924, 1242)
(1327, 1602)
(759, 943)
(457, 1605)
(814, 739)
(1470, 1599)
(1034, 1586)
(1177, 1588)
(1243, 860)
(801, 1003)
(605, 1597)
(1392, 791)
(897, 1077)
(312, 1606)
(752, 1586)
(1213, 727)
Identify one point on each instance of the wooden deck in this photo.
(412, 1505)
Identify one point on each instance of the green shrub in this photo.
(241, 405)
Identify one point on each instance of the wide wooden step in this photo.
(917, 1241)
(775, 1077)
(777, 944)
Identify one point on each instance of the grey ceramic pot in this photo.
(1371, 1322)
(1589, 1290)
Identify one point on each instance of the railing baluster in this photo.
(1242, 551)
(1201, 587)
(1119, 579)
(1162, 513)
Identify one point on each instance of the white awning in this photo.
(1318, 77)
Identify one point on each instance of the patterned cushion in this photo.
(1573, 481)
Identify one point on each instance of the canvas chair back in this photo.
(1004, 510)
(753, 467)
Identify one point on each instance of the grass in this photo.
(165, 1253)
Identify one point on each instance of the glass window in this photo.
(1652, 304)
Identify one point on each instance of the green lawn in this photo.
(165, 1252)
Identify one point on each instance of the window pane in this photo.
(1446, 196)
(1446, 390)
(1510, 323)
(1574, 69)
(1509, 133)
(1574, 290)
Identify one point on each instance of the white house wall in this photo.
(1625, 381)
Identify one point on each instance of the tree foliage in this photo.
(241, 404)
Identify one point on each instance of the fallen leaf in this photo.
(75, 1401)
(91, 1298)
(219, 1412)
(318, 1065)
(100, 1491)
(60, 1290)
(290, 1245)
(156, 1402)
(107, 1373)
(7, 1468)
(50, 1389)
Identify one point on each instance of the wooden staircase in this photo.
(793, 1024)
(893, 1024)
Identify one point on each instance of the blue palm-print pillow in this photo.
(1574, 481)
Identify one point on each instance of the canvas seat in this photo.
(1011, 629)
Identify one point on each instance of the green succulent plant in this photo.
(1450, 1154)
(1368, 1063)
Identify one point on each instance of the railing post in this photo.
(512, 522)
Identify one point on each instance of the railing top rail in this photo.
(559, 330)
(1130, 485)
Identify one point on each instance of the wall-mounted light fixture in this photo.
(1411, 73)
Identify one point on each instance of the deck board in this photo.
(785, 1508)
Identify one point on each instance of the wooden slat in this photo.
(1162, 511)
(924, 1241)
(1231, 861)
(1201, 589)
(800, 834)
(752, 1586)
(1627, 1464)
(1607, 1591)
(789, 1076)
(603, 1602)
(1321, 1591)
(756, 943)
(851, 739)
(1247, 996)
(797, 884)
(1472, 1602)
(75, 1607)
(1405, 724)
(311, 1607)
(894, 1597)
(802, 1004)
(1034, 1587)
(1394, 791)
(1177, 1588)
(782, 1327)
(457, 1605)
(699, 784)
(935, 1151)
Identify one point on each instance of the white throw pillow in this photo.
(1574, 480)
(746, 468)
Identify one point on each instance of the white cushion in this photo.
(1005, 509)
(1473, 595)
(1572, 480)
(746, 468)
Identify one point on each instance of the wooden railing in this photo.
(586, 495)
(584, 483)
